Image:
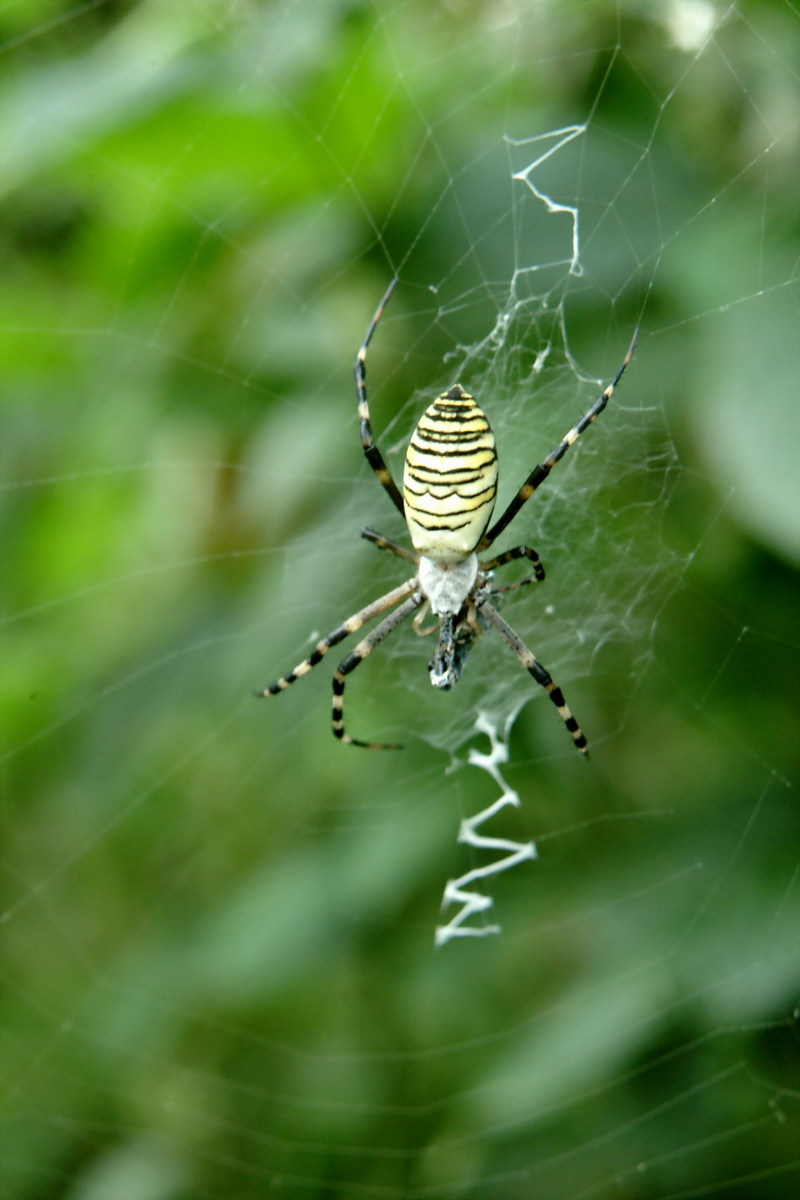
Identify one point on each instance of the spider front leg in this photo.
(510, 556)
(542, 676)
(356, 656)
(351, 625)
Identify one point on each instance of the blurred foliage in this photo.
(218, 924)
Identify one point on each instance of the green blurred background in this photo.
(218, 925)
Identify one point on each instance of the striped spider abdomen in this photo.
(450, 478)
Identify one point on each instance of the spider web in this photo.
(218, 924)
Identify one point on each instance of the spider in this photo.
(449, 490)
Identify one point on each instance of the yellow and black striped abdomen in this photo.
(450, 478)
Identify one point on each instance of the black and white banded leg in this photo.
(351, 625)
(511, 556)
(356, 656)
(371, 451)
(543, 469)
(385, 543)
(542, 676)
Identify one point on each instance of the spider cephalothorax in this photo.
(449, 490)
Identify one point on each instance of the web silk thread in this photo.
(456, 891)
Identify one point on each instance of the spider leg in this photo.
(543, 469)
(539, 673)
(509, 556)
(373, 454)
(512, 587)
(356, 656)
(351, 625)
(384, 543)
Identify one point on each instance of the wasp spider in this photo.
(449, 490)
